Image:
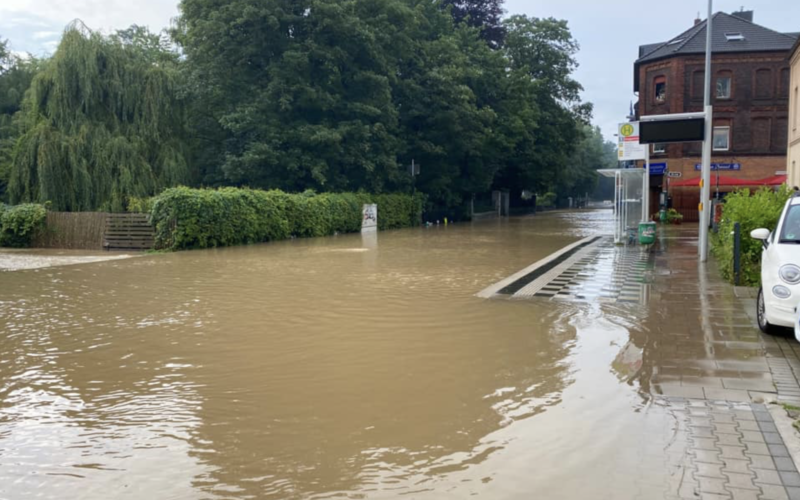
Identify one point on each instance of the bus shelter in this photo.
(629, 207)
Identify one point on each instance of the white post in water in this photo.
(369, 218)
(705, 191)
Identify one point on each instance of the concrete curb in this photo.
(790, 436)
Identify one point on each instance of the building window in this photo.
(784, 82)
(722, 136)
(763, 86)
(724, 87)
(796, 109)
(779, 141)
(660, 86)
(761, 129)
(659, 148)
(698, 81)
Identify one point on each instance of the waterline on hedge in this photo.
(187, 218)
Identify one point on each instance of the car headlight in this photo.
(781, 292)
(790, 274)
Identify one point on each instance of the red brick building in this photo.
(750, 95)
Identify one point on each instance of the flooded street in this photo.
(346, 367)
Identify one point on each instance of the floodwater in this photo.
(344, 367)
(20, 259)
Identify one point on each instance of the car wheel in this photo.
(761, 313)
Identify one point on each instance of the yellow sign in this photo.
(626, 130)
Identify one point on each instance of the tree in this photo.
(343, 94)
(485, 15)
(16, 74)
(301, 91)
(592, 153)
(102, 122)
(543, 52)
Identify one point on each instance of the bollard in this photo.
(737, 250)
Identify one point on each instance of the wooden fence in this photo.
(128, 232)
(72, 230)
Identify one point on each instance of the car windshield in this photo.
(790, 232)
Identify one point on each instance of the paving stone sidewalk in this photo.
(710, 374)
(724, 449)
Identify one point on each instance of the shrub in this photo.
(546, 200)
(751, 211)
(673, 216)
(201, 218)
(18, 224)
(140, 205)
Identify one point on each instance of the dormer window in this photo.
(734, 37)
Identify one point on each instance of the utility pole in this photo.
(646, 185)
(705, 190)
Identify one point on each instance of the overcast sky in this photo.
(609, 31)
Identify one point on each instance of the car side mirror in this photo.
(761, 234)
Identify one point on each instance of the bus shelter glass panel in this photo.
(628, 202)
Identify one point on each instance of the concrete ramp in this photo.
(591, 269)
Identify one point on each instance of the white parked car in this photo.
(779, 294)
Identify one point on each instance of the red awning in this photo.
(722, 180)
(775, 180)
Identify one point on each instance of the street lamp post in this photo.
(705, 191)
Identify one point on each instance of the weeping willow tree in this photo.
(102, 122)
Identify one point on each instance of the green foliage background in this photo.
(752, 211)
(325, 95)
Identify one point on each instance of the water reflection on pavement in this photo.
(330, 368)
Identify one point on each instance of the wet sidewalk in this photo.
(707, 344)
(705, 362)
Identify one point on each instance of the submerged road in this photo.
(368, 367)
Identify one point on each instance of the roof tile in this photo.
(693, 41)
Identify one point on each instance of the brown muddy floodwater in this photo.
(342, 367)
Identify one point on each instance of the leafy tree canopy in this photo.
(485, 15)
(342, 95)
(16, 74)
(329, 95)
(101, 123)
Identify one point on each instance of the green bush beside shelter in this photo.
(752, 211)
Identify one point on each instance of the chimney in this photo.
(747, 15)
(697, 21)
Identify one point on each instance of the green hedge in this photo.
(201, 218)
(19, 223)
(751, 211)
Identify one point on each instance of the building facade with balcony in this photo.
(750, 84)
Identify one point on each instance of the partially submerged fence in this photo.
(72, 230)
(95, 231)
(128, 232)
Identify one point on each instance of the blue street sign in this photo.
(720, 166)
(658, 168)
